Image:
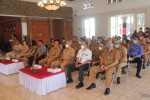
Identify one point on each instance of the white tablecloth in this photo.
(43, 86)
(11, 68)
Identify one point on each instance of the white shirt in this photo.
(84, 55)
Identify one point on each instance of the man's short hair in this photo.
(136, 37)
(86, 42)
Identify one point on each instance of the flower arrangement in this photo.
(33, 69)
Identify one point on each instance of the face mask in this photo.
(82, 46)
(134, 41)
(146, 34)
(140, 29)
(66, 46)
(116, 46)
(100, 48)
(98, 42)
(108, 46)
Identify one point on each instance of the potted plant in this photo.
(33, 69)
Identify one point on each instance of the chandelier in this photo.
(51, 4)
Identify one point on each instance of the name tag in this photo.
(108, 57)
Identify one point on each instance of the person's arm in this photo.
(87, 61)
(140, 53)
(124, 55)
(41, 54)
(72, 55)
(57, 54)
(26, 50)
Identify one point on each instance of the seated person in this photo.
(108, 61)
(67, 57)
(40, 53)
(145, 52)
(84, 57)
(122, 59)
(24, 50)
(52, 55)
(125, 44)
(97, 53)
(93, 43)
(16, 49)
(135, 52)
(30, 53)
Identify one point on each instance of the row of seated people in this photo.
(103, 54)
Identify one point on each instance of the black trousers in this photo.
(81, 71)
(36, 60)
(139, 64)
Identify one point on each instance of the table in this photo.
(42, 82)
(8, 67)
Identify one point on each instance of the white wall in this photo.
(102, 12)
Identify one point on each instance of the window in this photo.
(89, 27)
(126, 24)
(140, 21)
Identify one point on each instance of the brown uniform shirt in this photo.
(33, 48)
(24, 48)
(97, 54)
(145, 47)
(92, 45)
(122, 51)
(109, 57)
(68, 53)
(18, 47)
(126, 45)
(76, 46)
(53, 52)
(13, 42)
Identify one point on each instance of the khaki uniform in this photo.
(92, 45)
(122, 51)
(24, 48)
(76, 46)
(97, 54)
(13, 54)
(33, 48)
(13, 42)
(126, 45)
(68, 53)
(108, 58)
(53, 52)
(145, 49)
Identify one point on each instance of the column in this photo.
(124, 27)
(30, 28)
(51, 27)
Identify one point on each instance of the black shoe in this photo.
(69, 81)
(93, 85)
(80, 85)
(123, 72)
(118, 80)
(144, 67)
(103, 78)
(138, 76)
(107, 91)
